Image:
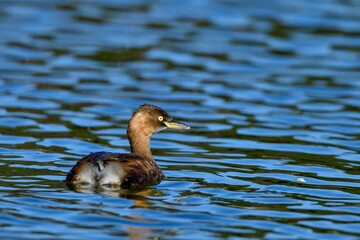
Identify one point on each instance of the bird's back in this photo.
(124, 170)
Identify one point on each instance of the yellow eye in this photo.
(160, 118)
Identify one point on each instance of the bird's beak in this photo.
(176, 125)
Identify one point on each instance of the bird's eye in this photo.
(160, 118)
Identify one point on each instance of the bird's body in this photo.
(116, 169)
(135, 169)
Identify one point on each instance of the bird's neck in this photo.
(139, 136)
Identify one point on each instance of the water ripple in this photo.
(270, 90)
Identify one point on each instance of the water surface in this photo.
(270, 89)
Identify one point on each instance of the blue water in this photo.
(271, 90)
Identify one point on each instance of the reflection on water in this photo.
(270, 89)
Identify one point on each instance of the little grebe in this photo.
(127, 170)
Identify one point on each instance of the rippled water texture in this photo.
(271, 90)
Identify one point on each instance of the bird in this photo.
(127, 170)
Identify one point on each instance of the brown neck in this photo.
(139, 136)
